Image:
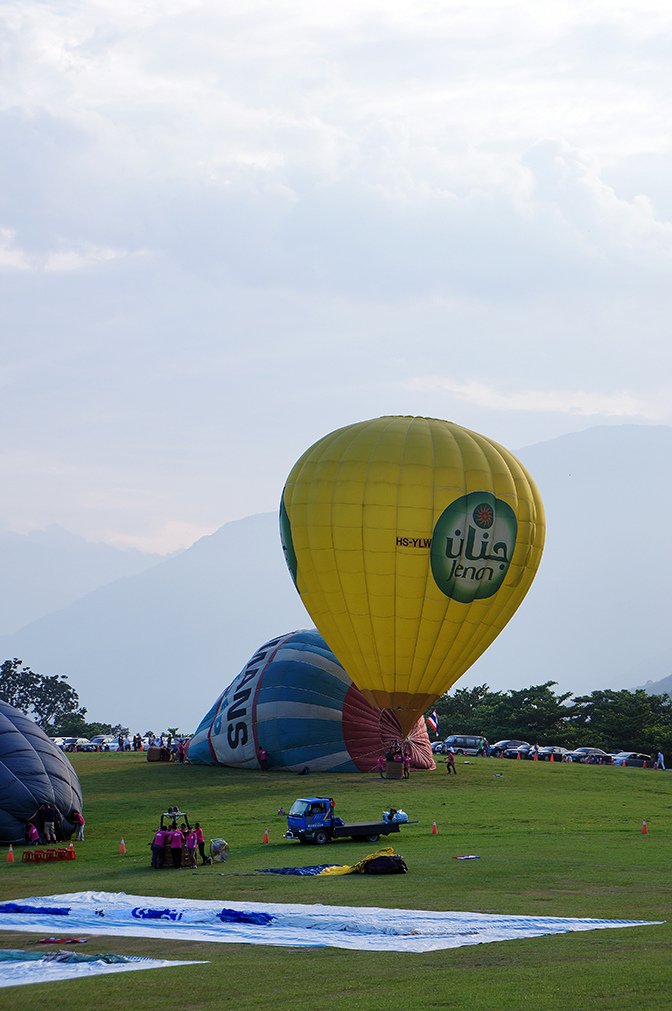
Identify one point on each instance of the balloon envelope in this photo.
(412, 542)
(33, 771)
(294, 699)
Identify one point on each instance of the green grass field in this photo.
(553, 840)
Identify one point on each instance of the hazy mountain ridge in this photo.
(46, 570)
(662, 687)
(157, 647)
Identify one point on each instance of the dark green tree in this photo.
(46, 698)
(624, 720)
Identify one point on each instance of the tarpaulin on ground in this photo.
(18, 968)
(357, 927)
(381, 862)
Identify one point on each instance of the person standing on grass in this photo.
(191, 843)
(200, 839)
(157, 848)
(48, 814)
(78, 819)
(176, 844)
(407, 765)
(660, 761)
(450, 763)
(380, 766)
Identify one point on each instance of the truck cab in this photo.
(311, 819)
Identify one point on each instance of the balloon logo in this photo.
(472, 546)
(412, 542)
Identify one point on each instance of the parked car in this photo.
(438, 747)
(552, 749)
(464, 744)
(524, 750)
(633, 759)
(590, 756)
(495, 750)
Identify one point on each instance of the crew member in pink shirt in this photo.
(176, 844)
(158, 842)
(200, 838)
(191, 843)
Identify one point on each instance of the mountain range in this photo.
(45, 570)
(154, 648)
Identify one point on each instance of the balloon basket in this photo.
(394, 770)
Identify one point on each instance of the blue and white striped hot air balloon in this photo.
(295, 700)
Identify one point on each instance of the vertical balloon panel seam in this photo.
(348, 448)
(428, 567)
(381, 433)
(366, 460)
(452, 605)
(395, 630)
(260, 681)
(337, 621)
(307, 462)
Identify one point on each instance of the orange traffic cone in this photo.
(265, 839)
(645, 828)
(435, 830)
(518, 755)
(122, 847)
(10, 854)
(552, 759)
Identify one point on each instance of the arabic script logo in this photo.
(472, 546)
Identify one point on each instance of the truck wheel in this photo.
(373, 838)
(321, 837)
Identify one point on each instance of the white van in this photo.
(464, 744)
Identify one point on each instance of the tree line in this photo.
(50, 701)
(612, 720)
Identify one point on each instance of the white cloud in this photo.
(619, 404)
(85, 256)
(11, 258)
(262, 217)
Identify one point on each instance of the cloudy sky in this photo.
(229, 228)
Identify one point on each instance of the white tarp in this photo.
(22, 968)
(359, 927)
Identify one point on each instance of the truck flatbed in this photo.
(312, 820)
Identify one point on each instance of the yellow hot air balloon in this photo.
(412, 541)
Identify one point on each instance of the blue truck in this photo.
(312, 820)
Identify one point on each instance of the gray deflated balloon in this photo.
(33, 771)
